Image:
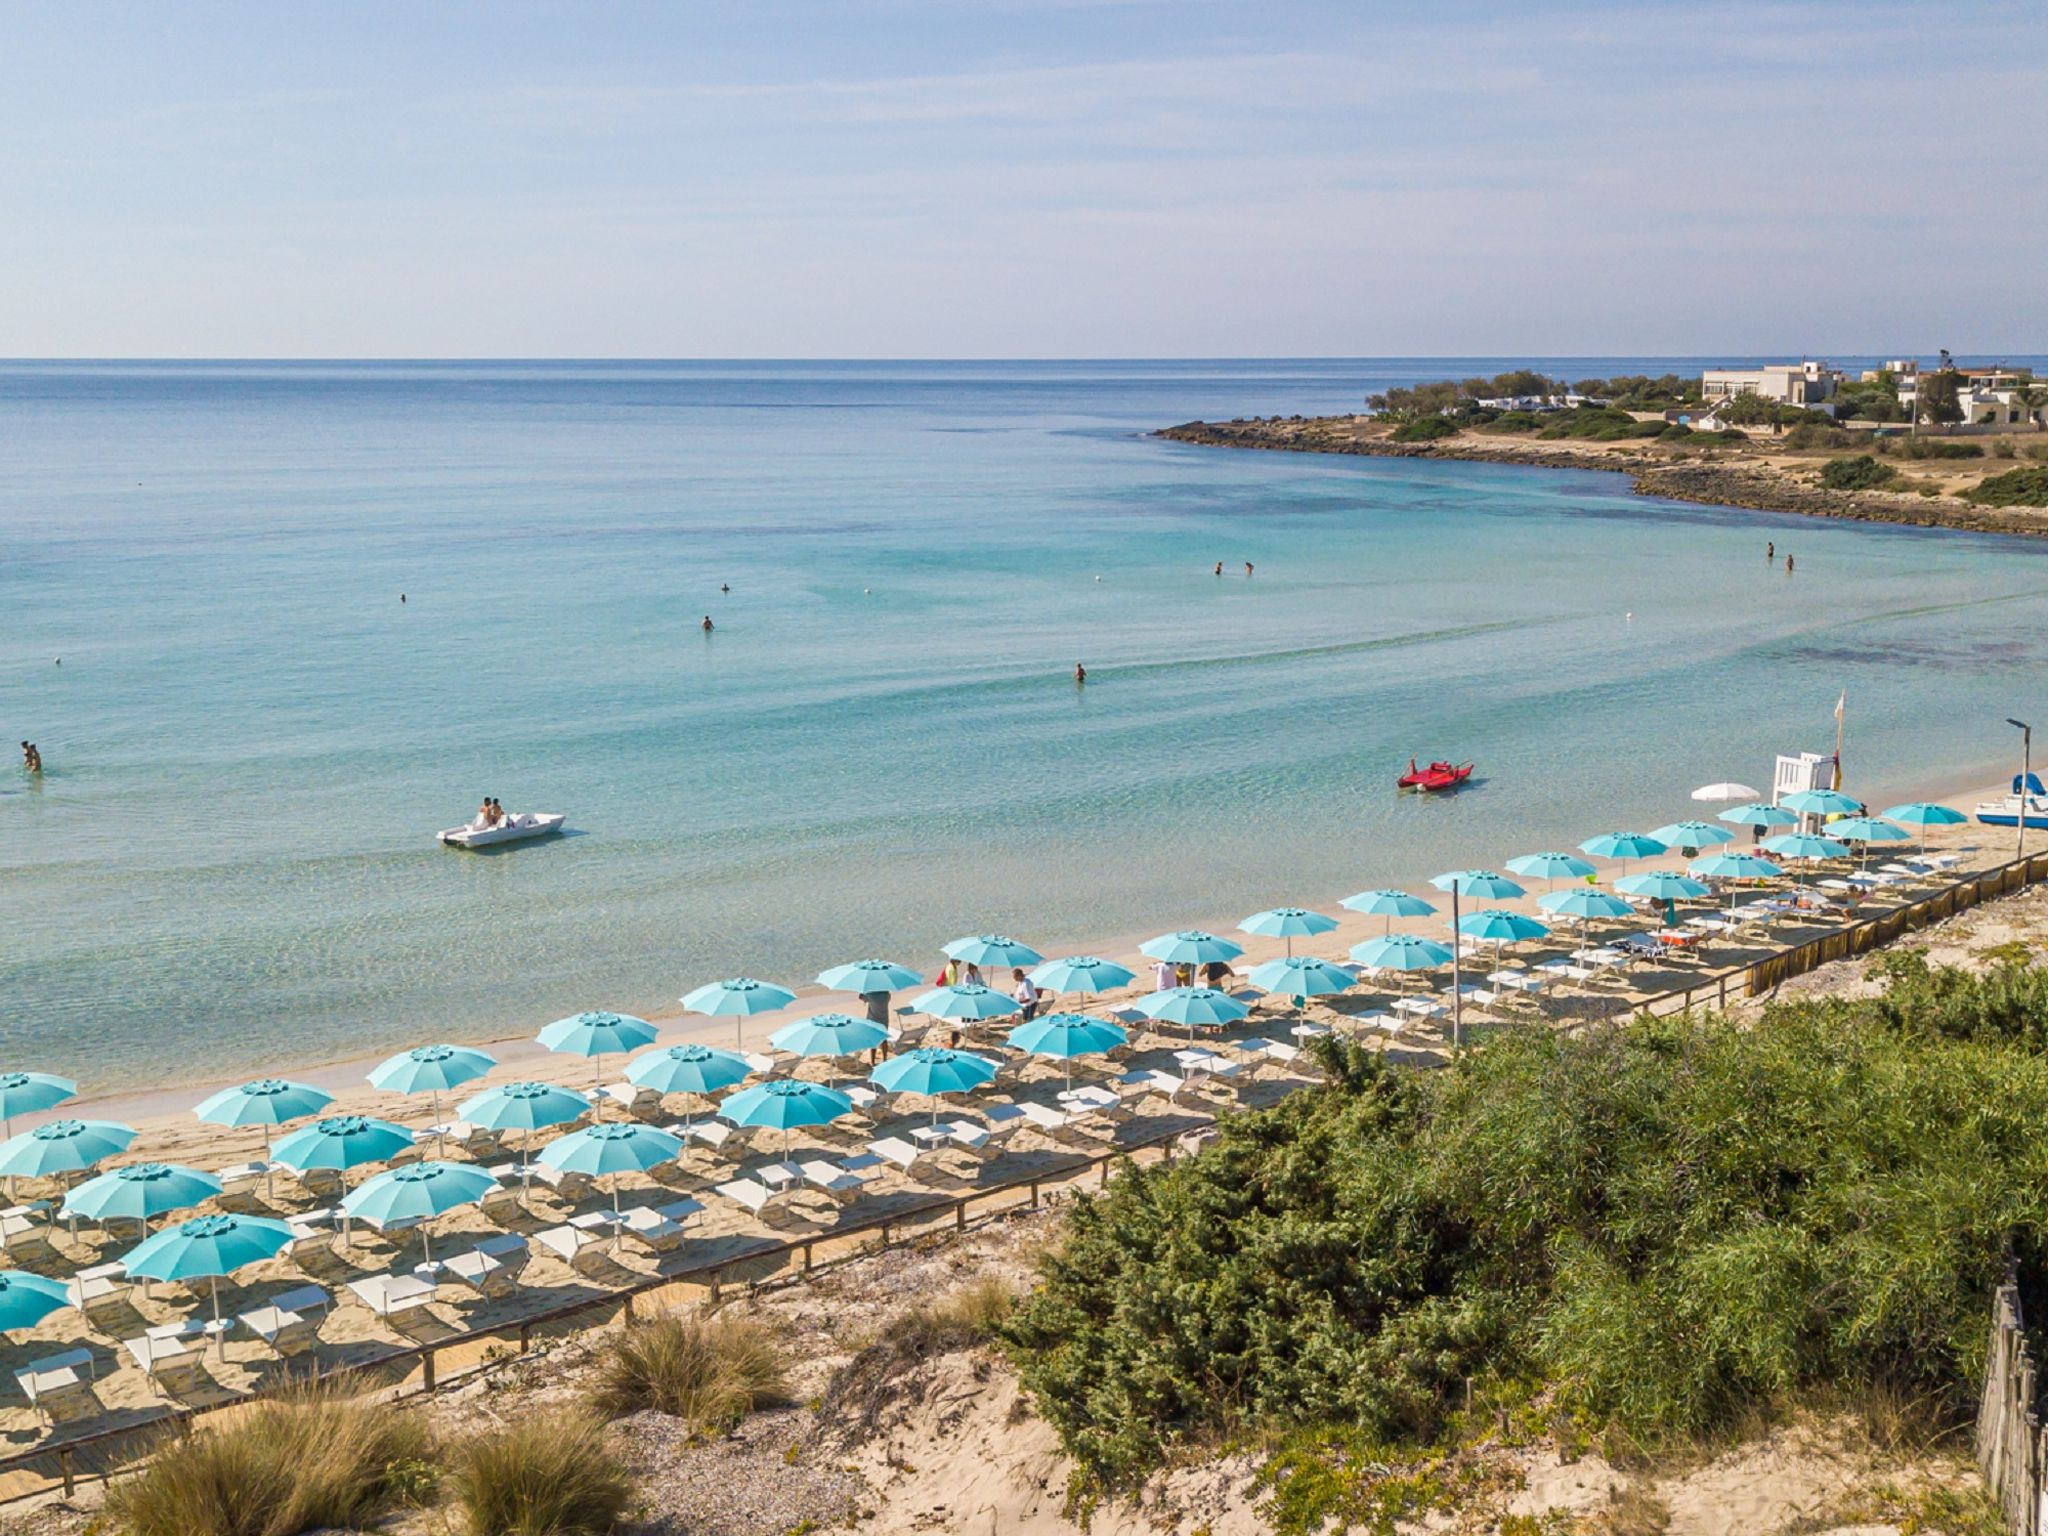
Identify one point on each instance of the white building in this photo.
(1803, 384)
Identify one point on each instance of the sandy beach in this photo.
(354, 1334)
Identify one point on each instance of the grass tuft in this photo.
(547, 1475)
(709, 1373)
(307, 1461)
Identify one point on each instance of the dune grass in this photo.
(308, 1461)
(547, 1474)
(711, 1373)
(864, 1389)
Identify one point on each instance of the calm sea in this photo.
(251, 740)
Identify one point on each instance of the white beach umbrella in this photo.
(1726, 793)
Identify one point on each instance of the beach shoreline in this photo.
(162, 1113)
(1761, 476)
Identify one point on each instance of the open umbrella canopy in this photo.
(738, 998)
(1584, 903)
(1734, 866)
(431, 1069)
(1757, 814)
(1501, 926)
(597, 1034)
(829, 1034)
(865, 976)
(1866, 829)
(1179, 1005)
(688, 1069)
(1287, 923)
(522, 1107)
(1724, 792)
(785, 1102)
(418, 1191)
(1064, 1036)
(1661, 885)
(1191, 946)
(23, 1093)
(140, 1191)
(933, 1070)
(27, 1299)
(1401, 952)
(62, 1146)
(1804, 845)
(618, 1146)
(1622, 845)
(1302, 976)
(206, 1247)
(1387, 903)
(266, 1101)
(1821, 802)
(1082, 973)
(992, 949)
(1550, 866)
(1693, 835)
(1481, 883)
(342, 1141)
(965, 1000)
(1925, 813)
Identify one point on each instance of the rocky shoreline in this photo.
(1738, 480)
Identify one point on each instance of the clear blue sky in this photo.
(983, 178)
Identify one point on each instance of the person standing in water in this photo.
(31, 757)
(1080, 673)
(1788, 565)
(1247, 567)
(1771, 550)
(1219, 567)
(706, 626)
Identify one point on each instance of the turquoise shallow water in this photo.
(251, 741)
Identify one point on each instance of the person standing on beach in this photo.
(1162, 977)
(1026, 994)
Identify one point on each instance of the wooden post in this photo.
(807, 1258)
(960, 1216)
(427, 1369)
(64, 1466)
(1034, 1194)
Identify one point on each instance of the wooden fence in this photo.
(426, 1366)
(2011, 1448)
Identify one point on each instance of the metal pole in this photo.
(2026, 776)
(1457, 969)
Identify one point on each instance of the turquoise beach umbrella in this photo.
(1661, 885)
(340, 1142)
(1063, 1036)
(1082, 973)
(829, 1034)
(739, 999)
(140, 1191)
(869, 976)
(62, 1146)
(1821, 802)
(525, 1107)
(1805, 845)
(23, 1093)
(1584, 904)
(1289, 923)
(1924, 814)
(688, 1069)
(1189, 1006)
(1623, 846)
(1483, 883)
(27, 1299)
(1389, 904)
(1734, 866)
(783, 1103)
(1866, 829)
(992, 949)
(597, 1034)
(1757, 814)
(617, 1147)
(418, 1192)
(967, 1000)
(933, 1070)
(1302, 976)
(1191, 946)
(205, 1248)
(266, 1101)
(1500, 926)
(1692, 836)
(432, 1070)
(1550, 866)
(1401, 952)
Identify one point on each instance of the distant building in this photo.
(1802, 384)
(1900, 368)
(1563, 402)
(1987, 396)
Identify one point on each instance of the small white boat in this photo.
(513, 829)
(2006, 812)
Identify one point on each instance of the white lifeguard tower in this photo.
(1809, 770)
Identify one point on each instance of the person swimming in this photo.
(723, 587)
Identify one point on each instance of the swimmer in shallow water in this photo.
(707, 624)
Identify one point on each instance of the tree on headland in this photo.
(1939, 401)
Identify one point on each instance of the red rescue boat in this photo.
(1438, 775)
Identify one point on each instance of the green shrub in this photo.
(1598, 423)
(2014, 488)
(550, 1474)
(1674, 1223)
(711, 1374)
(1515, 421)
(1677, 432)
(307, 1461)
(1936, 448)
(1860, 473)
(1425, 429)
(1813, 434)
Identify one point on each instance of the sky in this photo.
(1002, 178)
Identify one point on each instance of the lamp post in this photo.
(1457, 970)
(2026, 780)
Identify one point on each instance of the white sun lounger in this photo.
(100, 1293)
(572, 1242)
(60, 1386)
(387, 1294)
(492, 1267)
(751, 1194)
(833, 1179)
(897, 1152)
(1146, 1080)
(290, 1325)
(1043, 1118)
(170, 1363)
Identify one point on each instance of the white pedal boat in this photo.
(513, 829)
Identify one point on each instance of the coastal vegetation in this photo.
(708, 1372)
(2014, 488)
(1461, 397)
(1646, 1234)
(546, 1474)
(1858, 473)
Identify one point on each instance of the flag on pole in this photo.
(1840, 705)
